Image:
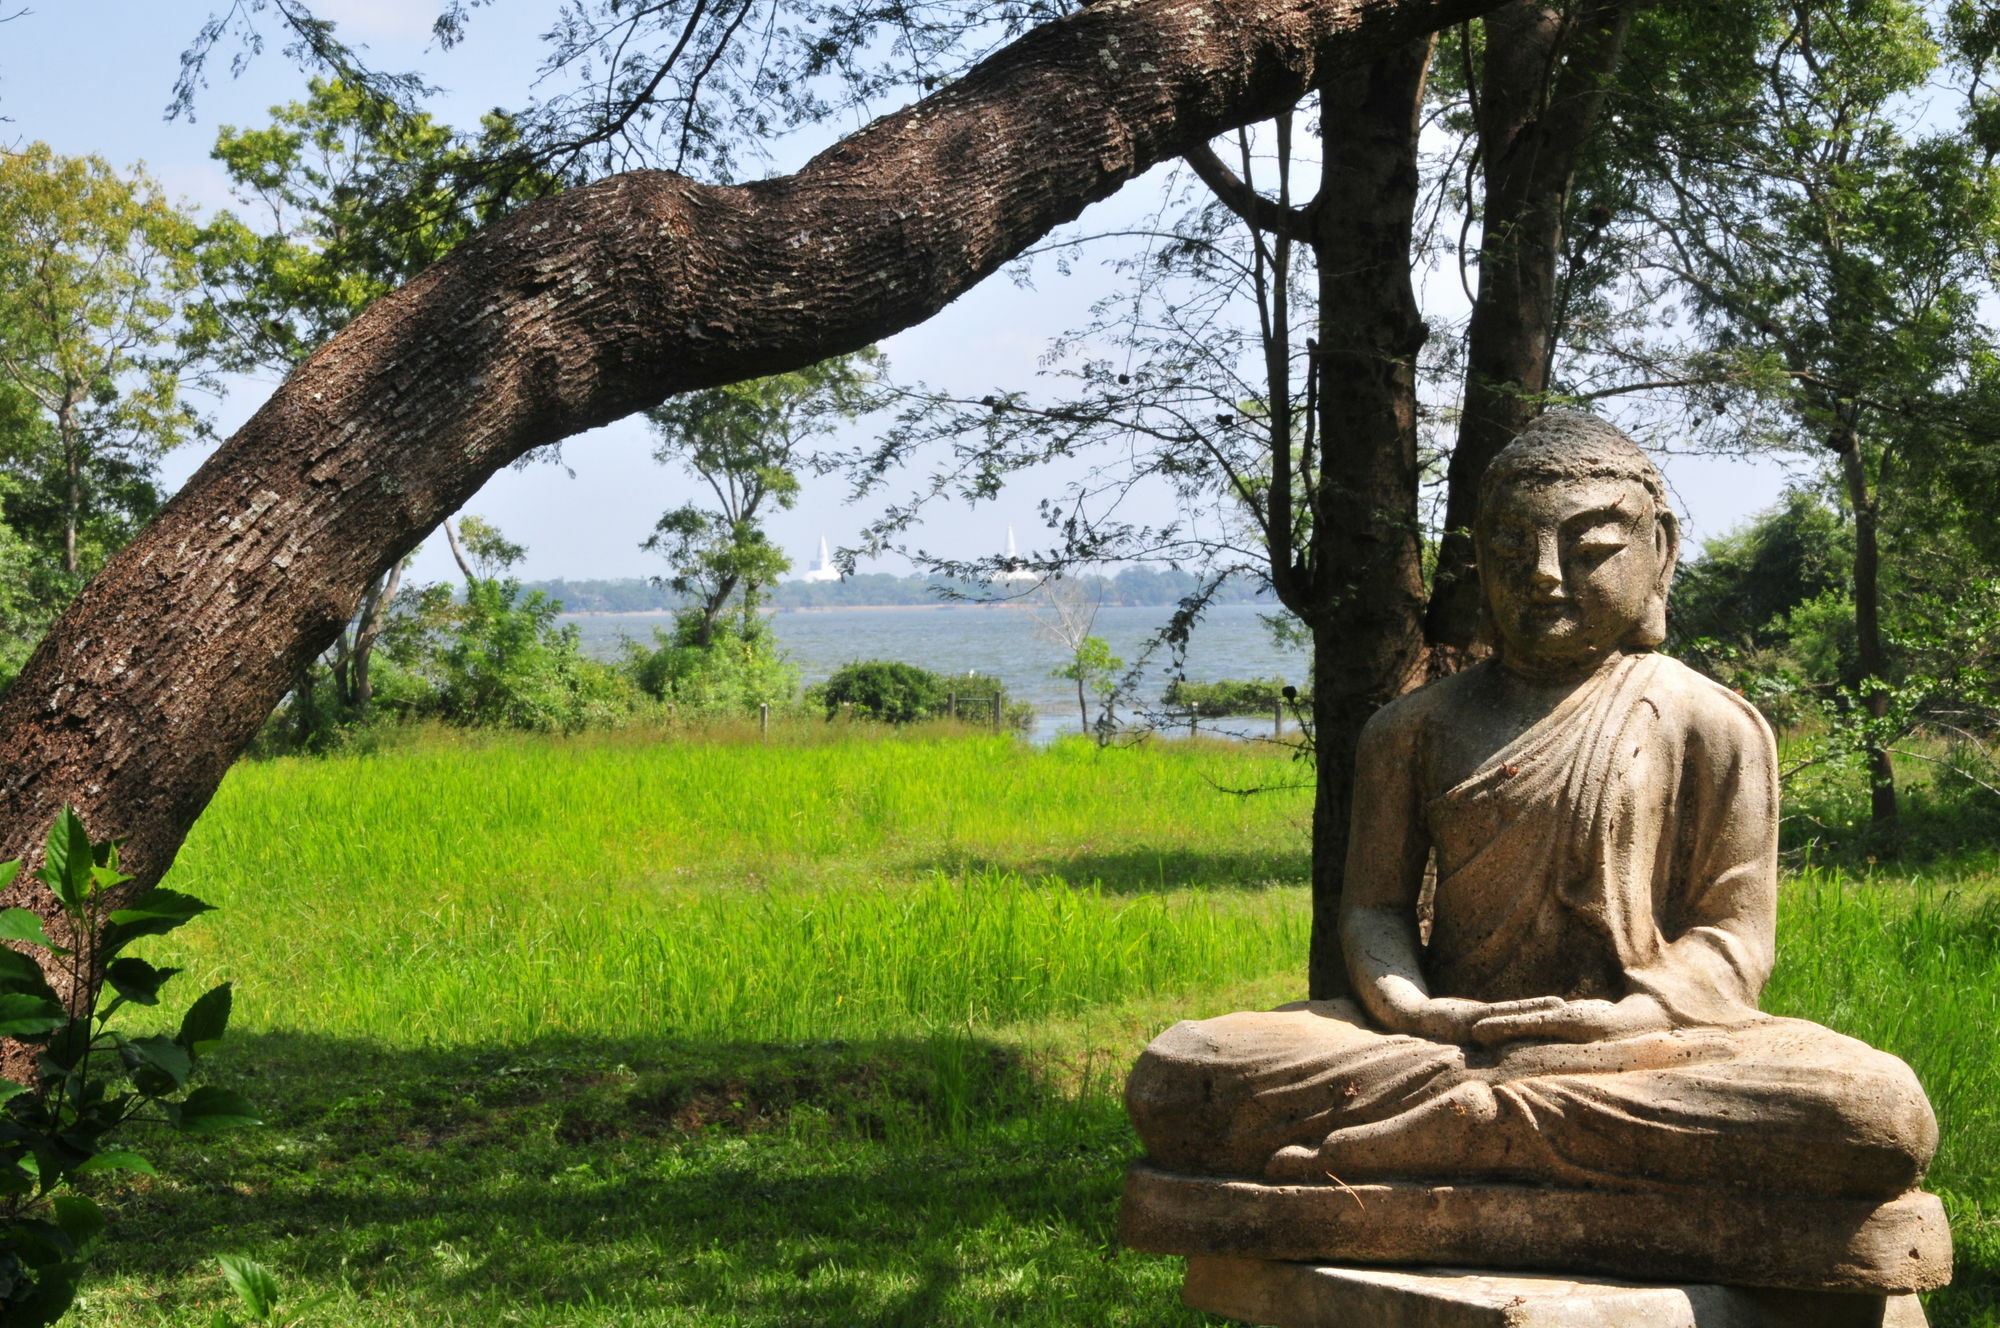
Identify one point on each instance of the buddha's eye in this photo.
(1593, 544)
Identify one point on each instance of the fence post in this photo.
(996, 712)
(1278, 718)
(951, 704)
(764, 717)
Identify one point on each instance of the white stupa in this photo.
(1019, 575)
(822, 568)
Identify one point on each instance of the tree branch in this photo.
(1229, 189)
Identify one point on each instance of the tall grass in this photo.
(1915, 971)
(499, 892)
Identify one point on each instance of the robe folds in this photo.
(1626, 842)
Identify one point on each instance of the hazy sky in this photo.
(93, 76)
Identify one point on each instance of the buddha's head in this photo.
(1576, 547)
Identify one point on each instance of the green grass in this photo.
(467, 895)
(825, 1029)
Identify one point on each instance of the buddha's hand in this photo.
(1453, 1018)
(1573, 1021)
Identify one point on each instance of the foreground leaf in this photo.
(26, 1015)
(253, 1284)
(136, 980)
(117, 1159)
(18, 924)
(206, 1021)
(67, 860)
(209, 1108)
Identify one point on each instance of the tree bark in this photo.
(1872, 657)
(1364, 597)
(582, 309)
(1541, 92)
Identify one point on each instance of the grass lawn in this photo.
(800, 1032)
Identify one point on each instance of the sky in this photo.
(94, 76)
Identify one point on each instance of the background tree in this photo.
(351, 194)
(96, 271)
(1065, 611)
(1834, 251)
(747, 443)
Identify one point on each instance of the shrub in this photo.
(884, 689)
(89, 1079)
(737, 671)
(1231, 696)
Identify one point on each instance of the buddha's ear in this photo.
(1667, 549)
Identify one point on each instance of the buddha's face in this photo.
(1570, 569)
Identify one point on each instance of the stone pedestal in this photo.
(1301, 1295)
(1849, 1246)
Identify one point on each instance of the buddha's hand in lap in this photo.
(1558, 1020)
(1453, 1018)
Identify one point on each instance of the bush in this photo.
(883, 689)
(497, 659)
(1231, 696)
(898, 693)
(733, 674)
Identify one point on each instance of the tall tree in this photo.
(747, 443)
(96, 271)
(1835, 251)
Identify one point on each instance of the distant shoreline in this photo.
(769, 610)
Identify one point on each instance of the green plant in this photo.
(58, 1127)
(254, 1285)
(1231, 696)
(883, 689)
(1092, 667)
(738, 668)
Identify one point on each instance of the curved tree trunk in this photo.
(579, 310)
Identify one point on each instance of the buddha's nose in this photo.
(1547, 577)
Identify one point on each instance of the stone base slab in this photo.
(1891, 1248)
(1298, 1295)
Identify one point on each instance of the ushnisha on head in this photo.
(1576, 547)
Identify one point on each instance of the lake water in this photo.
(1003, 640)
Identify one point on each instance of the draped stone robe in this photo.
(1626, 842)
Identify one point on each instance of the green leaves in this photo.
(67, 861)
(253, 1284)
(26, 1015)
(59, 1126)
(18, 924)
(208, 1109)
(137, 981)
(154, 913)
(159, 1065)
(206, 1020)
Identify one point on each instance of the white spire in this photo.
(1016, 575)
(823, 568)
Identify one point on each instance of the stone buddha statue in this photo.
(1575, 1003)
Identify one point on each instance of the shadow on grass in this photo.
(894, 1182)
(1146, 870)
(904, 1181)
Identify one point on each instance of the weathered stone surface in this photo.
(1898, 1246)
(1567, 1024)
(1299, 1295)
